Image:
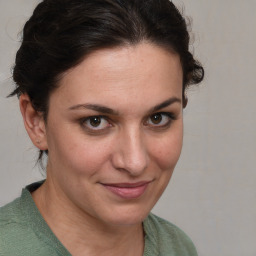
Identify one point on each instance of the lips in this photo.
(128, 190)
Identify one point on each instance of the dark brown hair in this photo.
(60, 33)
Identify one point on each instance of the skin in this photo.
(126, 146)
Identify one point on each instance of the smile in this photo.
(128, 190)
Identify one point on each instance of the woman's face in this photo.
(114, 132)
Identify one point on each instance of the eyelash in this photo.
(170, 118)
(96, 130)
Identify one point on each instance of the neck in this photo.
(83, 234)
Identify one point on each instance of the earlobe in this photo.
(33, 122)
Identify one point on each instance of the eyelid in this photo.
(169, 115)
(85, 119)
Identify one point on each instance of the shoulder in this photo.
(10, 214)
(170, 239)
(18, 234)
(12, 227)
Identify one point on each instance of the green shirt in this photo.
(24, 232)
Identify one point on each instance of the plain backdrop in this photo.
(212, 193)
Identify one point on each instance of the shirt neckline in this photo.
(44, 233)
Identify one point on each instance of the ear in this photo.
(34, 122)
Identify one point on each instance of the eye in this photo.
(95, 123)
(160, 119)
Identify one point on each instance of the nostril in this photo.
(133, 162)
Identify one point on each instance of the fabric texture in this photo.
(24, 232)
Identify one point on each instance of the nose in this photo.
(131, 153)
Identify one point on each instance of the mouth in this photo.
(127, 190)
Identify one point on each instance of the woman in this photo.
(101, 85)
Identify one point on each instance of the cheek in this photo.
(90, 156)
(76, 153)
(166, 151)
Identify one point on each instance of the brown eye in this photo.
(156, 119)
(95, 121)
(160, 119)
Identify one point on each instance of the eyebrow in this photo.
(166, 103)
(95, 107)
(107, 110)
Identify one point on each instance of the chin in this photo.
(127, 216)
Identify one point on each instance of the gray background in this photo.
(213, 190)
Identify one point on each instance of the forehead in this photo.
(131, 74)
